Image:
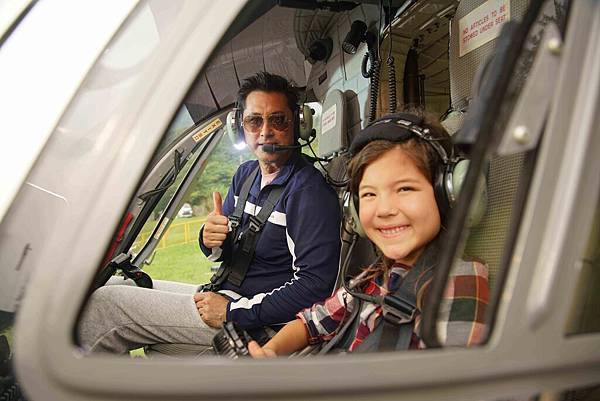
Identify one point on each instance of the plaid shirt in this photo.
(460, 321)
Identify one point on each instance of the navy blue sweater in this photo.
(297, 255)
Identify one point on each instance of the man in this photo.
(296, 255)
(294, 263)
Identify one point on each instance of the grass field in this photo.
(178, 256)
(184, 262)
(180, 231)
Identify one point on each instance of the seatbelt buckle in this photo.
(397, 310)
(254, 224)
(215, 281)
(208, 287)
(233, 221)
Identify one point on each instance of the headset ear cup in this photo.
(305, 122)
(232, 127)
(442, 194)
(479, 203)
(353, 214)
(459, 172)
(239, 125)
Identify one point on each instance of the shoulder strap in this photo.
(394, 328)
(235, 218)
(398, 320)
(387, 337)
(244, 253)
(344, 337)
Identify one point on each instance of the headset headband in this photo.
(399, 127)
(447, 181)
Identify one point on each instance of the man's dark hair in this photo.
(266, 82)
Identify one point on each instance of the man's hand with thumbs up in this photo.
(216, 226)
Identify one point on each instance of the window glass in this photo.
(7, 379)
(487, 242)
(156, 214)
(585, 313)
(182, 122)
(177, 256)
(492, 224)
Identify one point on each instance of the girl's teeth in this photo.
(394, 230)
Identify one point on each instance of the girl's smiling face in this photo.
(397, 206)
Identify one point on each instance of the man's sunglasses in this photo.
(277, 121)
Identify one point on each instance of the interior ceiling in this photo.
(262, 44)
(310, 25)
(424, 23)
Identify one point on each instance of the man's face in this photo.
(267, 119)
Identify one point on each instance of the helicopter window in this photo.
(160, 207)
(585, 311)
(182, 121)
(499, 195)
(177, 256)
(488, 239)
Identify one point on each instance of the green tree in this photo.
(217, 174)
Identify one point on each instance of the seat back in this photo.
(340, 121)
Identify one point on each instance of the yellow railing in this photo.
(177, 234)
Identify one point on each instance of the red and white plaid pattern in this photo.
(460, 321)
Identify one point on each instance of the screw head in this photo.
(521, 135)
(554, 45)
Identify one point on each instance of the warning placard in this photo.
(328, 119)
(482, 25)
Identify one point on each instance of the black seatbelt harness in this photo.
(235, 268)
(395, 327)
(249, 238)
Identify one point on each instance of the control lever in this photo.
(231, 341)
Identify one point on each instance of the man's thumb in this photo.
(217, 203)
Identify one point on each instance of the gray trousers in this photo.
(120, 317)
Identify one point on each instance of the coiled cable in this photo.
(374, 90)
(391, 66)
(373, 74)
(370, 55)
(392, 83)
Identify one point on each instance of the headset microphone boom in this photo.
(272, 148)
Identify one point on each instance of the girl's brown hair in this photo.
(422, 154)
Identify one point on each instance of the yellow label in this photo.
(213, 125)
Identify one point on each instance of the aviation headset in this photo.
(302, 115)
(447, 181)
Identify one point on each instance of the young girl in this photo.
(398, 165)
